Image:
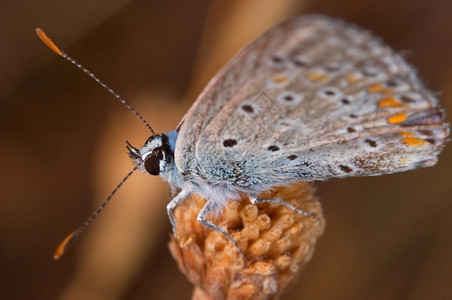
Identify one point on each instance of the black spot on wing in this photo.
(330, 93)
(288, 98)
(407, 99)
(229, 143)
(247, 108)
(345, 169)
(431, 141)
(345, 101)
(277, 59)
(273, 148)
(371, 143)
(392, 83)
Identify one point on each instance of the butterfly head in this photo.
(155, 157)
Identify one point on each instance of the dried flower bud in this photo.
(276, 241)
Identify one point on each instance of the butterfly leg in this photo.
(172, 206)
(173, 190)
(202, 218)
(256, 200)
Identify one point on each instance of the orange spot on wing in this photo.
(317, 76)
(406, 133)
(375, 88)
(352, 78)
(395, 119)
(279, 79)
(413, 141)
(389, 102)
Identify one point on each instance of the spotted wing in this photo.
(313, 98)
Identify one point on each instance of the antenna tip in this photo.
(62, 247)
(42, 35)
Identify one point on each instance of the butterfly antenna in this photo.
(73, 236)
(57, 50)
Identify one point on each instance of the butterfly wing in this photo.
(227, 83)
(311, 99)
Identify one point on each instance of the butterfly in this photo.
(311, 99)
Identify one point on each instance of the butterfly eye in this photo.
(152, 164)
(150, 139)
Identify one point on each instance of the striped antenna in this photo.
(57, 50)
(72, 237)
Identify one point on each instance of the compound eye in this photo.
(152, 164)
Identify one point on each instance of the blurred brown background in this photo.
(62, 149)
